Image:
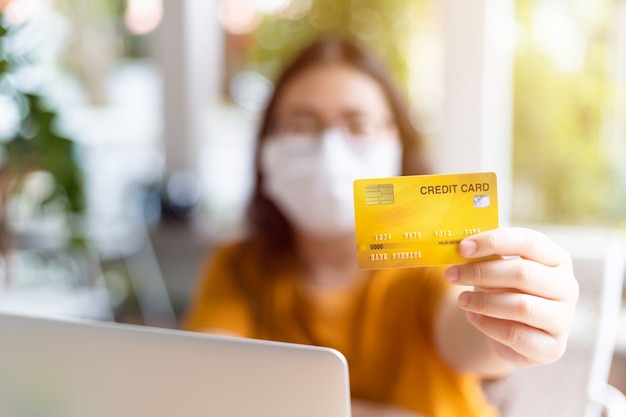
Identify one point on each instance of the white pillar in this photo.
(478, 98)
(190, 53)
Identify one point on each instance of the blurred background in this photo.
(127, 126)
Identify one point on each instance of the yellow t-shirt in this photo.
(383, 326)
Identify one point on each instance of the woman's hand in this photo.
(524, 302)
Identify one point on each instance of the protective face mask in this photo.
(310, 178)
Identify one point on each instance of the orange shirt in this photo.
(383, 326)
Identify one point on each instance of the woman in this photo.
(417, 341)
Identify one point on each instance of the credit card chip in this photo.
(379, 194)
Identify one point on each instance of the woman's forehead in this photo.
(332, 89)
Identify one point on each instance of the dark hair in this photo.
(266, 221)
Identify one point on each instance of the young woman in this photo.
(417, 341)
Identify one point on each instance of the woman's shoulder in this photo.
(245, 255)
(231, 263)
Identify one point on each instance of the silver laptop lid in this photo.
(62, 368)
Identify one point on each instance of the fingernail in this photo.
(452, 274)
(471, 316)
(467, 248)
(464, 299)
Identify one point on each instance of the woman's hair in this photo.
(267, 223)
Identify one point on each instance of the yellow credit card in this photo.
(420, 220)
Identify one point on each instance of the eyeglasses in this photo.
(357, 126)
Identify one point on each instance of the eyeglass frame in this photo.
(351, 128)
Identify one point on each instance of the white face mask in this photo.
(310, 178)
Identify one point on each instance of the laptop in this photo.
(72, 368)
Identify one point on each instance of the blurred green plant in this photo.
(38, 147)
(35, 145)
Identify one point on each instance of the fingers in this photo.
(516, 274)
(520, 344)
(525, 243)
(541, 268)
(539, 313)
